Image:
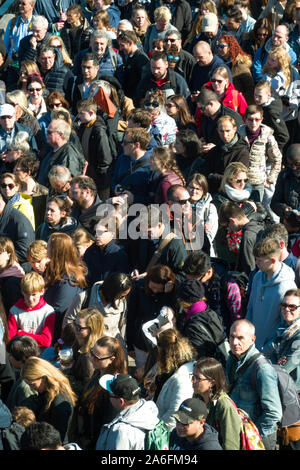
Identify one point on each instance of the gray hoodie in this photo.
(128, 430)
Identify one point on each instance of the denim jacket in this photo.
(263, 405)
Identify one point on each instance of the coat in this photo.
(287, 192)
(273, 118)
(232, 99)
(59, 77)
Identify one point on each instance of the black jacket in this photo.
(80, 41)
(251, 232)
(185, 65)
(273, 119)
(209, 440)
(133, 71)
(209, 126)
(26, 52)
(59, 76)
(287, 192)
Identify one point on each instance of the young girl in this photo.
(82, 241)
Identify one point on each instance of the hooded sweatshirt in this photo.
(264, 303)
(128, 430)
(207, 441)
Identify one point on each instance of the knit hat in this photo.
(191, 410)
(121, 385)
(7, 110)
(190, 290)
(209, 23)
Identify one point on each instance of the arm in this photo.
(257, 66)
(277, 203)
(275, 157)
(12, 326)
(267, 389)
(73, 309)
(44, 339)
(229, 424)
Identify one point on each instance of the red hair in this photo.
(234, 47)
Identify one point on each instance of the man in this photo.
(55, 74)
(234, 20)
(192, 432)
(269, 286)
(134, 63)
(136, 416)
(279, 38)
(63, 152)
(140, 117)
(186, 62)
(272, 112)
(110, 62)
(83, 193)
(262, 404)
(18, 27)
(9, 127)
(43, 436)
(53, 11)
(82, 84)
(30, 44)
(233, 217)
(212, 110)
(17, 227)
(202, 72)
(59, 179)
(210, 32)
(161, 77)
(132, 173)
(93, 137)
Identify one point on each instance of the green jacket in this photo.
(223, 416)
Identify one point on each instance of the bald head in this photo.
(280, 35)
(242, 337)
(202, 53)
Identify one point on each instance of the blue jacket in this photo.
(114, 16)
(51, 9)
(261, 55)
(263, 405)
(110, 63)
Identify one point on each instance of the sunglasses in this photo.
(222, 46)
(151, 104)
(291, 307)
(173, 58)
(55, 105)
(80, 328)
(182, 202)
(172, 40)
(98, 358)
(239, 181)
(262, 35)
(215, 80)
(170, 105)
(32, 90)
(10, 186)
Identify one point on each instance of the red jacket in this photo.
(232, 99)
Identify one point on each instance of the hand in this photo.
(194, 96)
(120, 200)
(266, 184)
(207, 227)
(281, 360)
(59, 25)
(130, 197)
(207, 147)
(63, 16)
(33, 42)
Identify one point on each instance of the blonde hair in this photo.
(66, 58)
(162, 13)
(32, 283)
(18, 97)
(62, 114)
(7, 245)
(37, 250)
(284, 63)
(55, 381)
(95, 321)
(221, 71)
(231, 171)
(81, 237)
(174, 350)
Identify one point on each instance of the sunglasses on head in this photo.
(151, 104)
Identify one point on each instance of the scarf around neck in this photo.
(227, 146)
(238, 195)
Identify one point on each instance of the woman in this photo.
(257, 38)
(95, 408)
(10, 191)
(55, 400)
(56, 41)
(226, 92)
(25, 169)
(209, 382)
(57, 219)
(165, 124)
(65, 276)
(14, 151)
(76, 31)
(177, 108)
(197, 321)
(205, 210)
(239, 63)
(27, 68)
(162, 17)
(175, 361)
(187, 149)
(35, 90)
(11, 273)
(101, 20)
(110, 299)
(82, 241)
(140, 22)
(89, 327)
(163, 163)
(54, 100)
(284, 79)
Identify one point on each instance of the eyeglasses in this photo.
(172, 40)
(54, 105)
(222, 46)
(181, 201)
(253, 119)
(80, 328)
(239, 181)
(98, 358)
(198, 379)
(10, 186)
(32, 90)
(192, 188)
(152, 104)
(170, 105)
(215, 80)
(291, 307)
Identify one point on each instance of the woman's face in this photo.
(272, 62)
(4, 259)
(201, 384)
(290, 310)
(139, 18)
(20, 174)
(38, 385)
(23, 74)
(35, 91)
(223, 49)
(156, 288)
(101, 358)
(11, 156)
(8, 188)
(179, 147)
(171, 109)
(219, 84)
(103, 235)
(81, 249)
(54, 214)
(262, 35)
(123, 295)
(239, 181)
(204, 11)
(82, 331)
(162, 24)
(98, 24)
(195, 191)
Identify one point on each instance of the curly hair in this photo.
(236, 53)
(284, 64)
(174, 350)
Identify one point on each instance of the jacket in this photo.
(26, 51)
(163, 183)
(128, 430)
(80, 41)
(24, 205)
(207, 441)
(202, 74)
(60, 295)
(232, 98)
(223, 416)
(263, 405)
(51, 10)
(44, 231)
(251, 232)
(263, 150)
(182, 18)
(206, 211)
(273, 118)
(207, 127)
(59, 76)
(287, 192)
(185, 64)
(242, 78)
(109, 64)
(175, 390)
(264, 303)
(261, 55)
(133, 71)
(153, 33)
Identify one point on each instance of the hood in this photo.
(268, 45)
(284, 273)
(209, 436)
(143, 415)
(5, 416)
(59, 62)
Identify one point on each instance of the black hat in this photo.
(121, 385)
(191, 290)
(191, 410)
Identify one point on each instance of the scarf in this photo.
(252, 136)
(13, 199)
(238, 195)
(227, 146)
(285, 333)
(15, 270)
(234, 241)
(197, 307)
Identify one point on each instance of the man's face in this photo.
(212, 34)
(240, 339)
(253, 121)
(159, 68)
(280, 36)
(39, 33)
(52, 135)
(89, 70)
(261, 96)
(189, 431)
(203, 56)
(46, 59)
(182, 197)
(99, 46)
(25, 7)
(264, 263)
(294, 164)
(172, 40)
(78, 195)
(125, 47)
(232, 24)
(7, 122)
(85, 116)
(226, 131)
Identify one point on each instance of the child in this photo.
(82, 241)
(23, 416)
(37, 256)
(32, 316)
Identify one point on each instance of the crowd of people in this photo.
(149, 224)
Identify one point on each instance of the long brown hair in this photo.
(184, 114)
(213, 371)
(165, 160)
(64, 260)
(174, 350)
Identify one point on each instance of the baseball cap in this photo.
(7, 110)
(191, 410)
(121, 385)
(209, 23)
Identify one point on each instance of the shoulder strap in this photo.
(87, 298)
(159, 250)
(243, 370)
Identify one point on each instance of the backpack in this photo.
(250, 437)
(158, 438)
